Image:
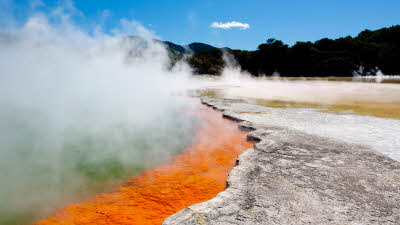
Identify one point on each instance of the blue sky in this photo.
(186, 21)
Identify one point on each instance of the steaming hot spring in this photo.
(97, 129)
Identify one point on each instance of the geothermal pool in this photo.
(59, 163)
(195, 175)
(43, 168)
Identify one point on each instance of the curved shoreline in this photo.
(196, 174)
(291, 177)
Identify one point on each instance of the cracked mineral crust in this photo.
(294, 177)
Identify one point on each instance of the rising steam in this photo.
(84, 108)
(80, 110)
(240, 84)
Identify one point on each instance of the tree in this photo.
(325, 57)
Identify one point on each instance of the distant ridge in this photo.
(192, 48)
(366, 54)
(195, 47)
(177, 49)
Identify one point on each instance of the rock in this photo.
(291, 177)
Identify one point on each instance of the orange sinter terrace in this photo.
(195, 175)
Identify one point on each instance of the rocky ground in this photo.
(295, 177)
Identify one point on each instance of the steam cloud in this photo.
(238, 84)
(80, 110)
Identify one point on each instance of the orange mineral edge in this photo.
(195, 175)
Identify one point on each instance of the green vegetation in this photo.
(207, 62)
(340, 57)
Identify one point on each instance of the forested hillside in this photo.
(364, 53)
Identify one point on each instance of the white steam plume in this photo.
(237, 83)
(80, 108)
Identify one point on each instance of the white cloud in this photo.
(229, 25)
